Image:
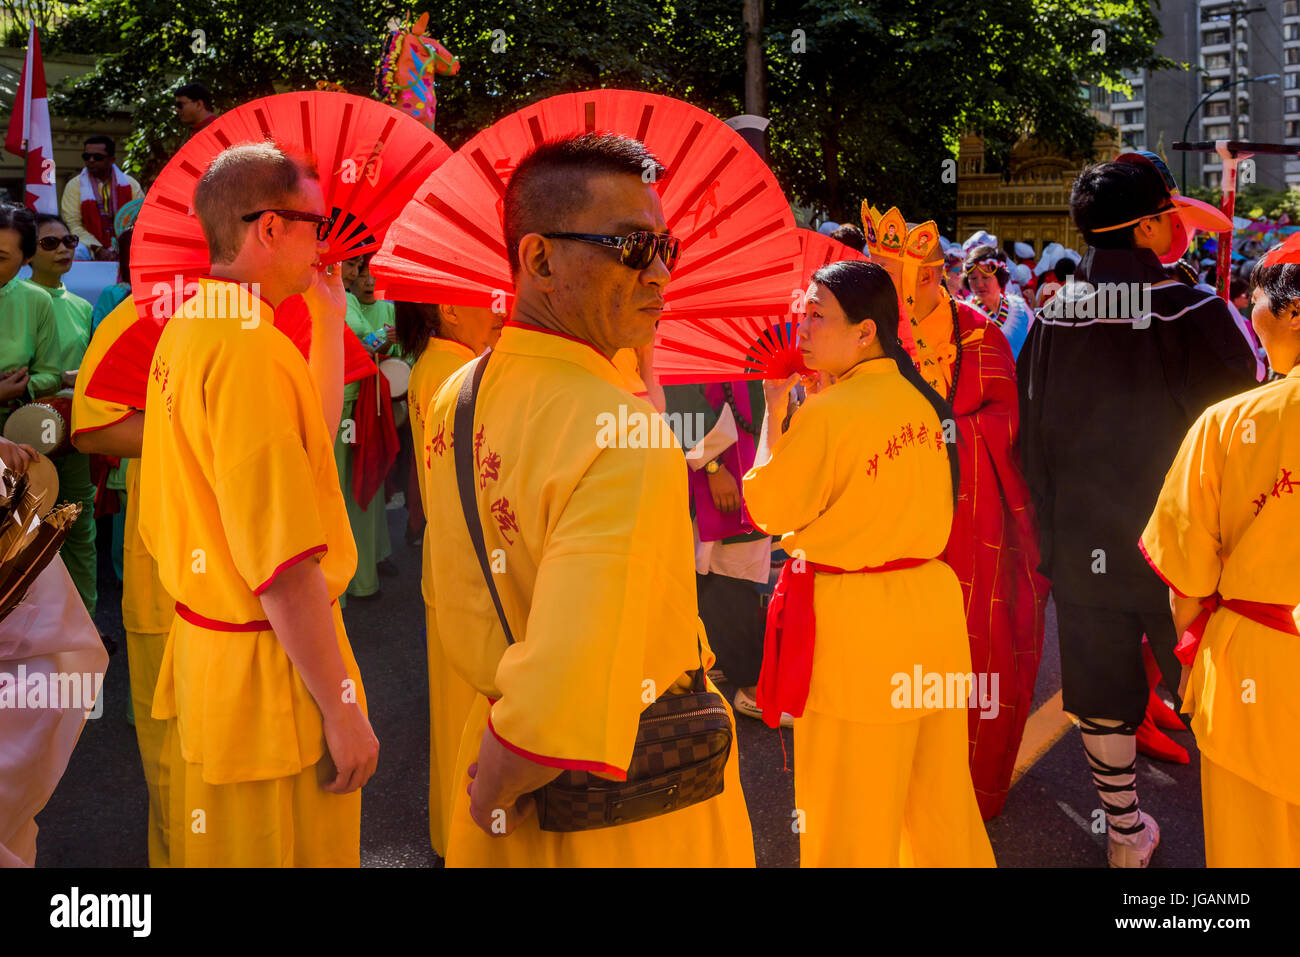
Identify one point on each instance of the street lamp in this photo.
(1266, 78)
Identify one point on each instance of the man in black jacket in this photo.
(1115, 370)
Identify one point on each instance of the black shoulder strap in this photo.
(463, 450)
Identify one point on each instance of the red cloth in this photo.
(94, 223)
(993, 549)
(791, 632)
(1264, 613)
(106, 499)
(376, 439)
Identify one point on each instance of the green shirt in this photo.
(27, 337)
(71, 336)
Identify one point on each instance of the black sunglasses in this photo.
(51, 243)
(95, 156)
(636, 250)
(323, 223)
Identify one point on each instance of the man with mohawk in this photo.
(993, 546)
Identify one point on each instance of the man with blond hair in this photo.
(268, 739)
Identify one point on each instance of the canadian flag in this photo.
(29, 131)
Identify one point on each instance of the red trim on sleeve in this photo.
(598, 767)
(1152, 563)
(194, 618)
(96, 428)
(319, 549)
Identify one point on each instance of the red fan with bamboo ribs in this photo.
(370, 158)
(756, 347)
(738, 254)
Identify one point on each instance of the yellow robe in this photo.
(147, 609)
(881, 776)
(1226, 522)
(450, 696)
(594, 534)
(237, 483)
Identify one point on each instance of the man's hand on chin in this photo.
(326, 298)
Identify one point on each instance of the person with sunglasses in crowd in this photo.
(241, 506)
(587, 535)
(92, 198)
(1115, 370)
(53, 258)
(987, 275)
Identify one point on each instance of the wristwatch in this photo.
(713, 465)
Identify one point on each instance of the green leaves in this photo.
(868, 104)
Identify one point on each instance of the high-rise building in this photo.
(1197, 32)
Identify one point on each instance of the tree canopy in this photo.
(867, 98)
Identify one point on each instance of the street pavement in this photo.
(97, 816)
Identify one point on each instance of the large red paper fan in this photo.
(370, 158)
(762, 347)
(738, 255)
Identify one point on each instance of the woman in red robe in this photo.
(993, 546)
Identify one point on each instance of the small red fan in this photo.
(713, 350)
(370, 158)
(738, 253)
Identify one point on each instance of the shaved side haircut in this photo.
(241, 180)
(550, 183)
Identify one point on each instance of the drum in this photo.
(398, 374)
(45, 424)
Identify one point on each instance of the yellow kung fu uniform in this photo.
(593, 532)
(237, 483)
(881, 776)
(68, 344)
(450, 696)
(369, 525)
(147, 609)
(1226, 523)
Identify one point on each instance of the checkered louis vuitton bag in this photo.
(682, 740)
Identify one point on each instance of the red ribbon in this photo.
(1270, 615)
(791, 632)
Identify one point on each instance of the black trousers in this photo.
(1102, 673)
(735, 616)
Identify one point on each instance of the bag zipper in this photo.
(684, 714)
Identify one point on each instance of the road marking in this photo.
(1044, 728)
(1078, 819)
(1158, 776)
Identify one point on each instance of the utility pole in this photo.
(1235, 11)
(755, 73)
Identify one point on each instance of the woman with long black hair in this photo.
(862, 486)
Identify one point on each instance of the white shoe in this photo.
(747, 706)
(1139, 855)
(397, 501)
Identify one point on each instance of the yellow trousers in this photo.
(886, 795)
(450, 698)
(144, 659)
(1246, 826)
(713, 833)
(282, 822)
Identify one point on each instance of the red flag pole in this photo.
(1227, 205)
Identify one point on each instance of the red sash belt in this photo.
(1270, 615)
(791, 630)
(213, 624)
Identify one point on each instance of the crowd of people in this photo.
(976, 430)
